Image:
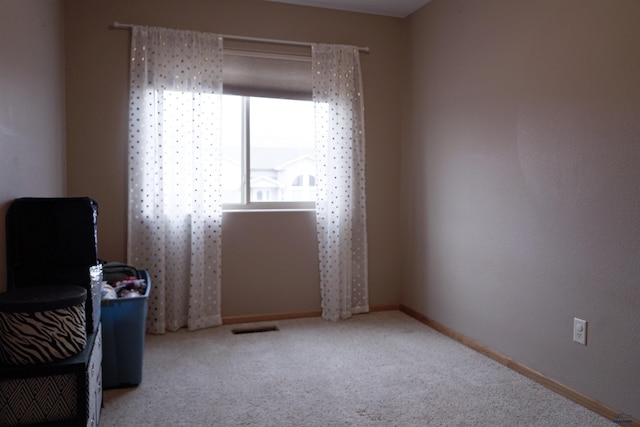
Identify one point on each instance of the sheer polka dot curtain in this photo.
(340, 200)
(175, 166)
(175, 197)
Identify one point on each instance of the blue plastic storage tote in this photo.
(123, 329)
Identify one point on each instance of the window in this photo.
(268, 132)
(268, 153)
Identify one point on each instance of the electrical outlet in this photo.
(580, 331)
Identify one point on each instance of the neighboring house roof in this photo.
(264, 182)
(294, 161)
(271, 158)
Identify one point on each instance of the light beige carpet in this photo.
(378, 369)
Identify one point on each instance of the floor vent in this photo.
(254, 330)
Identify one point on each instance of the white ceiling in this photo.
(398, 8)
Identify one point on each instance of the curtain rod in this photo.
(121, 26)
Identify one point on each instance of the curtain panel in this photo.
(175, 196)
(340, 201)
(175, 164)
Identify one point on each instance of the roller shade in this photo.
(267, 75)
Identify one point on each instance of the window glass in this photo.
(232, 125)
(282, 153)
(268, 152)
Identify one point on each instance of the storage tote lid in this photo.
(41, 298)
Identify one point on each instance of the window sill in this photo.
(270, 207)
(224, 211)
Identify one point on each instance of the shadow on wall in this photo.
(4, 207)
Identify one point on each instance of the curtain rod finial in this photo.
(120, 26)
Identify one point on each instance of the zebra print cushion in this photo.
(30, 336)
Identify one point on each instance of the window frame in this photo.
(246, 204)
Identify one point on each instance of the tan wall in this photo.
(97, 76)
(32, 146)
(520, 183)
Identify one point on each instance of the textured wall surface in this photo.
(520, 183)
(97, 91)
(32, 128)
